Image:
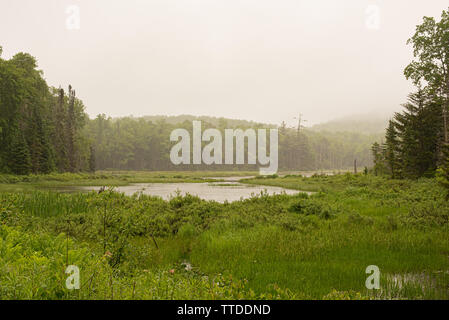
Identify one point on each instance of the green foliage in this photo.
(19, 158)
(431, 50)
(345, 295)
(416, 137)
(32, 267)
(378, 152)
(413, 140)
(139, 144)
(37, 122)
(92, 164)
(443, 171)
(392, 150)
(304, 246)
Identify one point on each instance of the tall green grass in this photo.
(308, 247)
(48, 204)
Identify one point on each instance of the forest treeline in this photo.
(417, 139)
(41, 128)
(140, 144)
(45, 129)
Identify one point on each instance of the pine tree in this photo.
(45, 161)
(20, 160)
(40, 149)
(59, 136)
(392, 150)
(418, 130)
(37, 123)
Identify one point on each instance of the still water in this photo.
(229, 190)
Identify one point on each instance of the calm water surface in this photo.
(229, 190)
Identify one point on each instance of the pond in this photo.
(228, 190)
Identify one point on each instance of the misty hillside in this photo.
(215, 121)
(367, 124)
(364, 124)
(142, 143)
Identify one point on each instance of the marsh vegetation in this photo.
(283, 246)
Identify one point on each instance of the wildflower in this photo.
(172, 271)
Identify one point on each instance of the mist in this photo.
(265, 61)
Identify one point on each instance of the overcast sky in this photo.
(249, 59)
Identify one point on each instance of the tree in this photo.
(430, 69)
(60, 121)
(417, 137)
(41, 154)
(92, 165)
(392, 150)
(71, 131)
(418, 130)
(378, 158)
(34, 121)
(19, 157)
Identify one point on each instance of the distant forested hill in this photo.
(368, 124)
(142, 143)
(215, 121)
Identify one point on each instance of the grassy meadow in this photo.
(267, 247)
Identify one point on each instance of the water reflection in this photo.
(218, 191)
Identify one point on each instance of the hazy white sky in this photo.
(250, 59)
